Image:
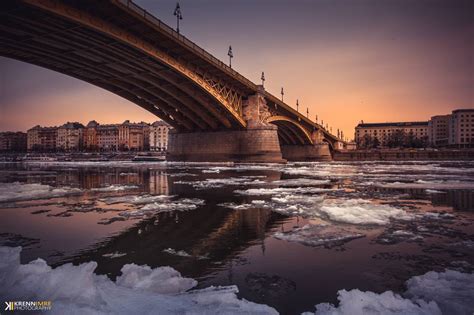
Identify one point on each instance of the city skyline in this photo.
(389, 61)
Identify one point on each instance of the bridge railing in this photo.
(191, 45)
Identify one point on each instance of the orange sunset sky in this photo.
(347, 60)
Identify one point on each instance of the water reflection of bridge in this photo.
(210, 234)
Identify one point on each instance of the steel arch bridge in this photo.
(118, 46)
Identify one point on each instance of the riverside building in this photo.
(159, 136)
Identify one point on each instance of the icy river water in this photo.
(287, 236)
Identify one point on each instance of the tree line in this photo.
(396, 139)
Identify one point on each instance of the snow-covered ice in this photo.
(138, 290)
(317, 235)
(448, 292)
(115, 188)
(360, 211)
(21, 192)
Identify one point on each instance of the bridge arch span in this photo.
(290, 132)
(79, 43)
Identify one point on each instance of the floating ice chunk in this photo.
(434, 293)
(438, 216)
(212, 170)
(282, 191)
(359, 211)
(114, 255)
(432, 185)
(139, 290)
(221, 182)
(300, 182)
(433, 191)
(236, 206)
(163, 280)
(136, 200)
(453, 291)
(181, 253)
(317, 235)
(356, 302)
(115, 188)
(20, 192)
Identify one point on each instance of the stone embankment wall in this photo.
(403, 155)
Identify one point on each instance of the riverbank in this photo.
(404, 155)
(82, 156)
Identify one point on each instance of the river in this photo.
(287, 235)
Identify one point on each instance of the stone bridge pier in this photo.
(256, 143)
(319, 150)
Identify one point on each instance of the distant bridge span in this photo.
(218, 114)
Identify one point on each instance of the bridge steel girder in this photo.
(220, 107)
(302, 135)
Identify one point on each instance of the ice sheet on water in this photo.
(352, 211)
(114, 255)
(115, 188)
(360, 211)
(165, 205)
(318, 235)
(16, 191)
(183, 253)
(221, 182)
(434, 293)
(300, 182)
(135, 200)
(453, 291)
(139, 290)
(430, 184)
(283, 191)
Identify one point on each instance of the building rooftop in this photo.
(160, 123)
(463, 110)
(394, 124)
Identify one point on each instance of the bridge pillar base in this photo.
(258, 144)
(314, 152)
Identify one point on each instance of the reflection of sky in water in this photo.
(370, 226)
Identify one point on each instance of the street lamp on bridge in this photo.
(282, 93)
(179, 16)
(297, 105)
(316, 118)
(307, 112)
(263, 79)
(231, 55)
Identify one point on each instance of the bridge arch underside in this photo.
(290, 132)
(42, 38)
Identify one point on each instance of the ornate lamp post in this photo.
(282, 93)
(231, 55)
(297, 105)
(263, 79)
(179, 16)
(307, 112)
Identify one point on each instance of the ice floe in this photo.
(317, 235)
(114, 255)
(165, 205)
(21, 192)
(434, 293)
(183, 253)
(221, 182)
(352, 211)
(138, 290)
(135, 200)
(115, 188)
(360, 211)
